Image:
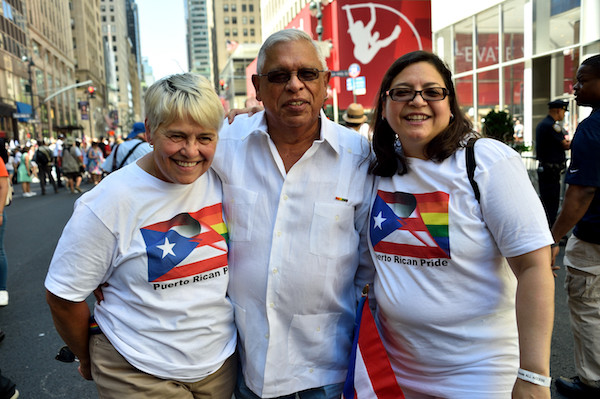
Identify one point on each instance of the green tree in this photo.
(499, 125)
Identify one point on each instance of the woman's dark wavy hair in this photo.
(389, 159)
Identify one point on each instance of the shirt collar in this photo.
(328, 133)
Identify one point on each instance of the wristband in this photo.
(534, 378)
(554, 245)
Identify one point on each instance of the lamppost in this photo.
(315, 8)
(315, 11)
(91, 91)
(30, 64)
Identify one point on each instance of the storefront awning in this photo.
(23, 112)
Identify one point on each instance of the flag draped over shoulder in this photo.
(370, 375)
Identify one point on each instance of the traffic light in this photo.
(91, 91)
(222, 84)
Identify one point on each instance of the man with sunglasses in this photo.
(296, 198)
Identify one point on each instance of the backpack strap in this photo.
(128, 154)
(470, 160)
(114, 162)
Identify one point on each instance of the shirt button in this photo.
(275, 271)
(279, 234)
(311, 370)
(272, 305)
(318, 328)
(337, 218)
(267, 336)
(285, 197)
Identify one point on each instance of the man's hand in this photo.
(85, 370)
(250, 111)
(98, 292)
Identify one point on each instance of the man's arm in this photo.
(71, 320)
(575, 205)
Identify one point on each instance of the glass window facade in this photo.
(517, 56)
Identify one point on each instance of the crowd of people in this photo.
(67, 161)
(236, 255)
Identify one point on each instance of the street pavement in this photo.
(27, 354)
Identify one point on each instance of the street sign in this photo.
(18, 115)
(342, 73)
(360, 83)
(357, 85)
(350, 84)
(354, 70)
(360, 86)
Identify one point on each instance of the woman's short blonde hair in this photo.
(183, 96)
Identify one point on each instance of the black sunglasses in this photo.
(303, 74)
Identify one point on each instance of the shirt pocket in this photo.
(331, 230)
(239, 206)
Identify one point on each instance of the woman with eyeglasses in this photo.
(464, 285)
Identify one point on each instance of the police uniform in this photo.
(550, 154)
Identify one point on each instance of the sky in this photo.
(162, 36)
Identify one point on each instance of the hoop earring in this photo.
(451, 117)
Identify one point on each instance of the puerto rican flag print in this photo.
(187, 245)
(370, 375)
(413, 225)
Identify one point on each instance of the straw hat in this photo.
(355, 114)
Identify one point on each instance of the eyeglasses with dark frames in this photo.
(429, 94)
(303, 74)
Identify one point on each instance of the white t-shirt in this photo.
(162, 248)
(298, 252)
(445, 293)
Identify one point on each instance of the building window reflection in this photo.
(556, 24)
(487, 38)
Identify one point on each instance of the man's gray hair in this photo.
(283, 36)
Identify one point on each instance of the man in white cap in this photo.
(355, 119)
(134, 147)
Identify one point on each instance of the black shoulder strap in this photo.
(128, 154)
(114, 162)
(470, 159)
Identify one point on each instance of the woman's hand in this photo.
(523, 389)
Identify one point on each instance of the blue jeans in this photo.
(333, 391)
(3, 262)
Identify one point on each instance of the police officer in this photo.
(551, 141)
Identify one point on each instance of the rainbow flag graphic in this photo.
(414, 225)
(186, 245)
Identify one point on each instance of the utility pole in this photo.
(30, 64)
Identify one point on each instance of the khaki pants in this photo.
(582, 284)
(115, 378)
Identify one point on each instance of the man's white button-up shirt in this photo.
(298, 252)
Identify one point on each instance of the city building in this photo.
(233, 84)
(516, 55)
(15, 71)
(200, 37)
(89, 67)
(51, 59)
(135, 60)
(123, 86)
